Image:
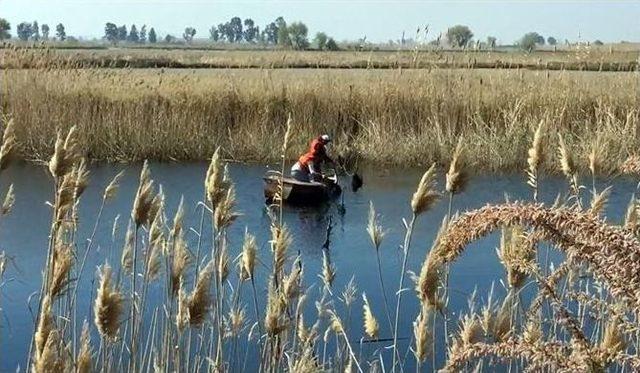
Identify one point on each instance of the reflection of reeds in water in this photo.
(200, 319)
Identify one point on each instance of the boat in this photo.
(300, 192)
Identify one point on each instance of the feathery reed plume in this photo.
(156, 208)
(513, 252)
(375, 230)
(566, 159)
(422, 333)
(214, 184)
(82, 178)
(287, 137)
(596, 154)
(502, 327)
(273, 318)
(328, 270)
(291, 283)
(46, 325)
(200, 299)
(427, 282)
(456, 176)
(535, 158)
(126, 259)
(154, 259)
(371, 326)
(532, 333)
(224, 214)
(84, 359)
(9, 200)
(143, 198)
(235, 322)
(599, 201)
(178, 219)
(613, 340)
(8, 144)
(348, 295)
(248, 258)
(62, 262)
(306, 361)
(182, 315)
(426, 195)
(223, 264)
(51, 359)
(280, 241)
(470, 332)
(112, 189)
(108, 306)
(179, 263)
(66, 154)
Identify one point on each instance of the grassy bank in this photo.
(584, 59)
(393, 116)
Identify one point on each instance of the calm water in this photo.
(23, 235)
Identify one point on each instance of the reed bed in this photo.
(582, 58)
(582, 317)
(390, 117)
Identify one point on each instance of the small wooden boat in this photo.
(299, 192)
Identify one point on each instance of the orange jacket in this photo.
(316, 154)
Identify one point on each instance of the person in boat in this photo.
(308, 167)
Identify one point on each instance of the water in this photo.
(23, 235)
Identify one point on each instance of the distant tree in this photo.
(61, 33)
(122, 33)
(35, 31)
(111, 32)
(551, 40)
(134, 36)
(320, 40)
(214, 34)
(24, 31)
(45, 31)
(598, 42)
(189, 33)
(270, 33)
(529, 41)
(540, 40)
(5, 28)
(491, 41)
(235, 27)
(459, 35)
(153, 38)
(143, 34)
(251, 31)
(169, 38)
(332, 45)
(298, 35)
(282, 36)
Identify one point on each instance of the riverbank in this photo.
(390, 117)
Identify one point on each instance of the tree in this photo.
(214, 34)
(320, 40)
(111, 32)
(598, 42)
(45, 31)
(122, 33)
(169, 39)
(153, 38)
(134, 36)
(270, 33)
(235, 27)
(251, 31)
(529, 41)
(491, 41)
(35, 31)
(5, 27)
(143, 34)
(24, 31)
(298, 35)
(189, 33)
(459, 35)
(551, 40)
(332, 45)
(61, 32)
(283, 33)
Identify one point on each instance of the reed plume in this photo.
(199, 301)
(181, 258)
(513, 251)
(84, 360)
(328, 270)
(126, 259)
(214, 184)
(534, 159)
(8, 202)
(274, 313)
(248, 258)
(280, 241)
(143, 200)
(46, 325)
(62, 262)
(112, 188)
(371, 326)
(426, 194)
(422, 334)
(108, 306)
(8, 144)
(455, 178)
(374, 229)
(429, 277)
(224, 214)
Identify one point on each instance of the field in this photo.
(393, 117)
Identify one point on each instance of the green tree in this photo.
(189, 33)
(5, 28)
(169, 39)
(214, 34)
(24, 31)
(153, 38)
(298, 35)
(282, 36)
(235, 25)
(321, 40)
(122, 33)
(45, 31)
(143, 34)
(35, 31)
(61, 33)
(551, 40)
(111, 32)
(598, 42)
(459, 35)
(491, 42)
(251, 31)
(134, 36)
(332, 45)
(529, 41)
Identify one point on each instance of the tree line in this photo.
(32, 31)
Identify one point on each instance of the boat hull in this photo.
(300, 193)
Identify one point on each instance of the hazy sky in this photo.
(345, 19)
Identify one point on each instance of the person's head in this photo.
(325, 139)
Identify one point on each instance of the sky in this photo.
(379, 21)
